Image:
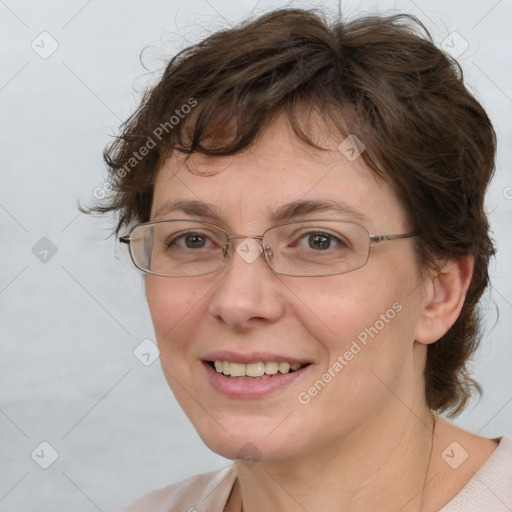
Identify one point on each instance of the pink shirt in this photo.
(490, 489)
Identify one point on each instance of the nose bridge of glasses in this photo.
(245, 236)
(266, 249)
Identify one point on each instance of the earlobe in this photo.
(444, 300)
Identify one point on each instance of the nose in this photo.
(248, 293)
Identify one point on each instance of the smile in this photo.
(258, 370)
(252, 380)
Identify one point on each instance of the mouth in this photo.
(256, 377)
(258, 370)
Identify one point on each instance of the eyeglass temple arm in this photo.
(383, 238)
(124, 239)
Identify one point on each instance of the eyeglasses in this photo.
(303, 248)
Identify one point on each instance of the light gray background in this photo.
(69, 326)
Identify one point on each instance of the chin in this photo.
(250, 440)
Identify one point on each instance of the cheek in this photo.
(175, 313)
(351, 307)
(365, 332)
(174, 308)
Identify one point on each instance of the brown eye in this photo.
(189, 240)
(321, 241)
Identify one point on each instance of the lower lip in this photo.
(254, 388)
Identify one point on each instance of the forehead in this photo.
(278, 173)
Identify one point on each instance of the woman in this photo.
(306, 202)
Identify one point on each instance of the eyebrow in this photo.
(285, 212)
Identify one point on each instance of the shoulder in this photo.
(491, 486)
(207, 491)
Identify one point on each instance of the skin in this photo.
(365, 441)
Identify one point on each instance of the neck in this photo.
(366, 469)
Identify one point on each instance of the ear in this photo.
(446, 292)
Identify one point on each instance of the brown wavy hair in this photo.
(380, 78)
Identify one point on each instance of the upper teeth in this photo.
(254, 369)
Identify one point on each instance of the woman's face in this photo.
(354, 332)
